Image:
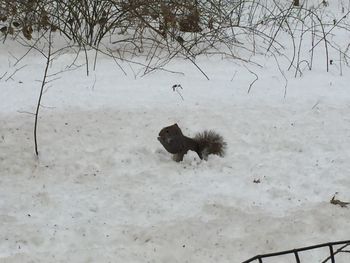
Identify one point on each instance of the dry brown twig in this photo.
(338, 202)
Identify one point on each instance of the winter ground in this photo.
(104, 190)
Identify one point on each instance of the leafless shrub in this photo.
(160, 30)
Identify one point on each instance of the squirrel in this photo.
(204, 143)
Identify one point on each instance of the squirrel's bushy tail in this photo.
(210, 142)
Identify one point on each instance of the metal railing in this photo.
(296, 252)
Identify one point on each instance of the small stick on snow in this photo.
(174, 87)
(338, 202)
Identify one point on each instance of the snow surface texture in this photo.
(104, 190)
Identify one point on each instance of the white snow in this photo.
(104, 190)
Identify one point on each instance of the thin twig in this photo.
(252, 83)
(3, 75)
(175, 88)
(284, 76)
(48, 60)
(18, 69)
(26, 112)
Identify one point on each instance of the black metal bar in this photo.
(260, 260)
(330, 244)
(332, 253)
(341, 249)
(296, 256)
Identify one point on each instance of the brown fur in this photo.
(204, 143)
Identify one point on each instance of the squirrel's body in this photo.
(205, 143)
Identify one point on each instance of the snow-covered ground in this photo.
(104, 190)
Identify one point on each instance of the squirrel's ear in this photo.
(176, 125)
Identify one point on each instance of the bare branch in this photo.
(48, 60)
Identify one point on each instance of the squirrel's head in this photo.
(170, 137)
(169, 131)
